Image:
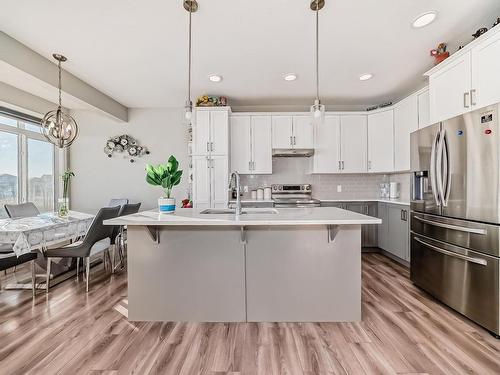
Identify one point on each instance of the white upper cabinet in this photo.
(201, 133)
(282, 131)
(467, 80)
(251, 149)
(292, 132)
(241, 144)
(423, 109)
(211, 131)
(354, 143)
(381, 142)
(302, 132)
(326, 157)
(405, 122)
(486, 72)
(449, 89)
(261, 150)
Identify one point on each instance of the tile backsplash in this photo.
(294, 170)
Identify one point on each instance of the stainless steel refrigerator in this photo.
(455, 214)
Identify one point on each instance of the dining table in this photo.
(40, 232)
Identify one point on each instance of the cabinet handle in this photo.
(291, 141)
(211, 146)
(208, 146)
(342, 165)
(473, 96)
(466, 99)
(294, 140)
(249, 165)
(369, 165)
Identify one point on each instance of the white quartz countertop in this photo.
(254, 217)
(384, 200)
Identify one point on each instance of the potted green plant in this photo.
(167, 176)
(63, 208)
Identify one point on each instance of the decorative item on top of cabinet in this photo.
(211, 101)
(440, 54)
(125, 144)
(480, 32)
(497, 22)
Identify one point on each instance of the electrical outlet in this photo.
(245, 189)
(339, 188)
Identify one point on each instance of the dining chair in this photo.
(117, 202)
(9, 259)
(17, 211)
(97, 240)
(118, 234)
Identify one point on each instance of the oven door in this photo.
(463, 279)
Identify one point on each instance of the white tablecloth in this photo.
(36, 233)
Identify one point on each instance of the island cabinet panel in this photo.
(190, 275)
(296, 274)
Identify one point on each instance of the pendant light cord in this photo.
(189, 63)
(317, 50)
(59, 84)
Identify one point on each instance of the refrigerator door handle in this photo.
(432, 171)
(482, 232)
(479, 261)
(439, 167)
(446, 155)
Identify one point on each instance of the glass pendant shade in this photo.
(59, 128)
(188, 114)
(317, 112)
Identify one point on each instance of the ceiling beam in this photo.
(25, 59)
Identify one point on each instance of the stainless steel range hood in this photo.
(293, 152)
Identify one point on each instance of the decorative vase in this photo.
(166, 205)
(441, 57)
(62, 207)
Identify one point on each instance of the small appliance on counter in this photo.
(384, 190)
(394, 190)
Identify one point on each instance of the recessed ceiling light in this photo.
(365, 77)
(215, 78)
(290, 77)
(424, 19)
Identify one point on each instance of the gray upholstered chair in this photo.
(8, 259)
(96, 240)
(118, 234)
(117, 202)
(16, 211)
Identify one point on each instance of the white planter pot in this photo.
(166, 205)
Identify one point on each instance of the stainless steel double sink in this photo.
(245, 211)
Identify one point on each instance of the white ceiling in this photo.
(136, 51)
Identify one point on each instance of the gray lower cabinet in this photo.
(369, 233)
(393, 234)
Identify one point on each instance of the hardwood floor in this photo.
(403, 332)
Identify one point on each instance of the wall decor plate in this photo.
(125, 145)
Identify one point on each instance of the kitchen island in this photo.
(277, 265)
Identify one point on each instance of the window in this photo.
(9, 175)
(28, 165)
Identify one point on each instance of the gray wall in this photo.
(99, 178)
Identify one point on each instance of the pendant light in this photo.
(57, 126)
(191, 6)
(317, 109)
